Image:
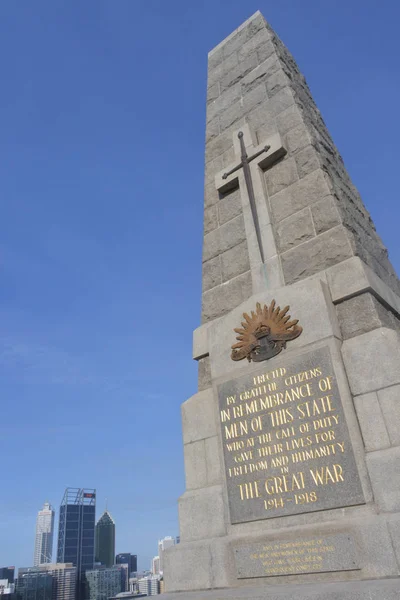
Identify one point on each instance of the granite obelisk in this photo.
(291, 444)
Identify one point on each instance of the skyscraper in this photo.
(76, 532)
(105, 540)
(104, 582)
(32, 582)
(44, 536)
(126, 558)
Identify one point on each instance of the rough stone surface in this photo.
(300, 194)
(371, 421)
(195, 465)
(204, 373)
(235, 261)
(229, 207)
(384, 471)
(198, 417)
(361, 314)
(220, 300)
(201, 514)
(281, 176)
(294, 230)
(325, 215)
(212, 273)
(389, 400)
(311, 257)
(387, 589)
(213, 463)
(372, 360)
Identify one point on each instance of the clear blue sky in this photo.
(102, 115)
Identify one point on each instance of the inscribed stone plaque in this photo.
(305, 555)
(286, 444)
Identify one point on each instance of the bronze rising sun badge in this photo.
(264, 334)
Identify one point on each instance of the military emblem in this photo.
(264, 334)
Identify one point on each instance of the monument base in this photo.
(385, 589)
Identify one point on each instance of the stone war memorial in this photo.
(292, 442)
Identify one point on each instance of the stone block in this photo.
(325, 214)
(394, 531)
(265, 51)
(294, 230)
(231, 115)
(372, 360)
(389, 400)
(281, 101)
(232, 233)
(195, 465)
(315, 255)
(211, 245)
(371, 421)
(218, 146)
(307, 161)
(298, 137)
(204, 373)
(213, 462)
(289, 118)
(235, 261)
(238, 72)
(201, 514)
(281, 175)
(187, 567)
(255, 97)
(198, 417)
(248, 48)
(276, 82)
(300, 194)
(354, 277)
(225, 66)
(210, 195)
(210, 219)
(361, 314)
(258, 75)
(224, 298)
(258, 119)
(223, 102)
(200, 341)
(213, 92)
(229, 207)
(384, 472)
(212, 273)
(213, 129)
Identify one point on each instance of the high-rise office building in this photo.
(44, 536)
(7, 573)
(104, 582)
(126, 558)
(163, 544)
(76, 532)
(32, 585)
(149, 585)
(105, 540)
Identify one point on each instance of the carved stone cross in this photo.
(247, 176)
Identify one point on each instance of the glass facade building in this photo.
(33, 584)
(126, 558)
(103, 583)
(7, 573)
(105, 540)
(76, 532)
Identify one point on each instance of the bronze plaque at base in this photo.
(305, 555)
(285, 439)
